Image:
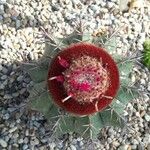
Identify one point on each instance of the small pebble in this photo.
(25, 147)
(147, 117)
(12, 130)
(73, 147)
(3, 143)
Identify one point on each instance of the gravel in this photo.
(3, 143)
(20, 41)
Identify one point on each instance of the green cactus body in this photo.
(72, 94)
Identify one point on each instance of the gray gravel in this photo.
(20, 42)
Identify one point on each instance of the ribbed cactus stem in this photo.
(83, 80)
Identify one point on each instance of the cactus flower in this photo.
(83, 79)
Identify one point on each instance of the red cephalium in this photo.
(83, 79)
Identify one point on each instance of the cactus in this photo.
(80, 84)
(146, 55)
